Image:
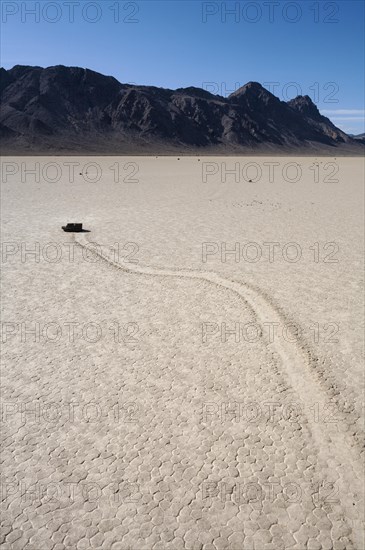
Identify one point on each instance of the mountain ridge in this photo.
(59, 109)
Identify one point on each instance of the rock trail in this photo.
(337, 450)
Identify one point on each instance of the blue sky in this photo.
(307, 47)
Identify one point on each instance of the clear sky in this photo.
(300, 47)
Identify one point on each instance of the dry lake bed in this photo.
(187, 374)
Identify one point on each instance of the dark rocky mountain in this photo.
(69, 109)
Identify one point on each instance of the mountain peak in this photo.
(305, 106)
(254, 88)
(252, 85)
(254, 96)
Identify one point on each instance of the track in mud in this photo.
(330, 440)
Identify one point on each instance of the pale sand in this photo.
(173, 411)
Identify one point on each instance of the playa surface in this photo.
(188, 373)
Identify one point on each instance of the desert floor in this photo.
(192, 379)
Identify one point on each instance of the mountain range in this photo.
(74, 110)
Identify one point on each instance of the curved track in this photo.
(333, 446)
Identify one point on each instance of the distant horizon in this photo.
(291, 48)
(325, 112)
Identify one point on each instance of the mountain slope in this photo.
(72, 109)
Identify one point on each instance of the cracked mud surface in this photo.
(148, 437)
